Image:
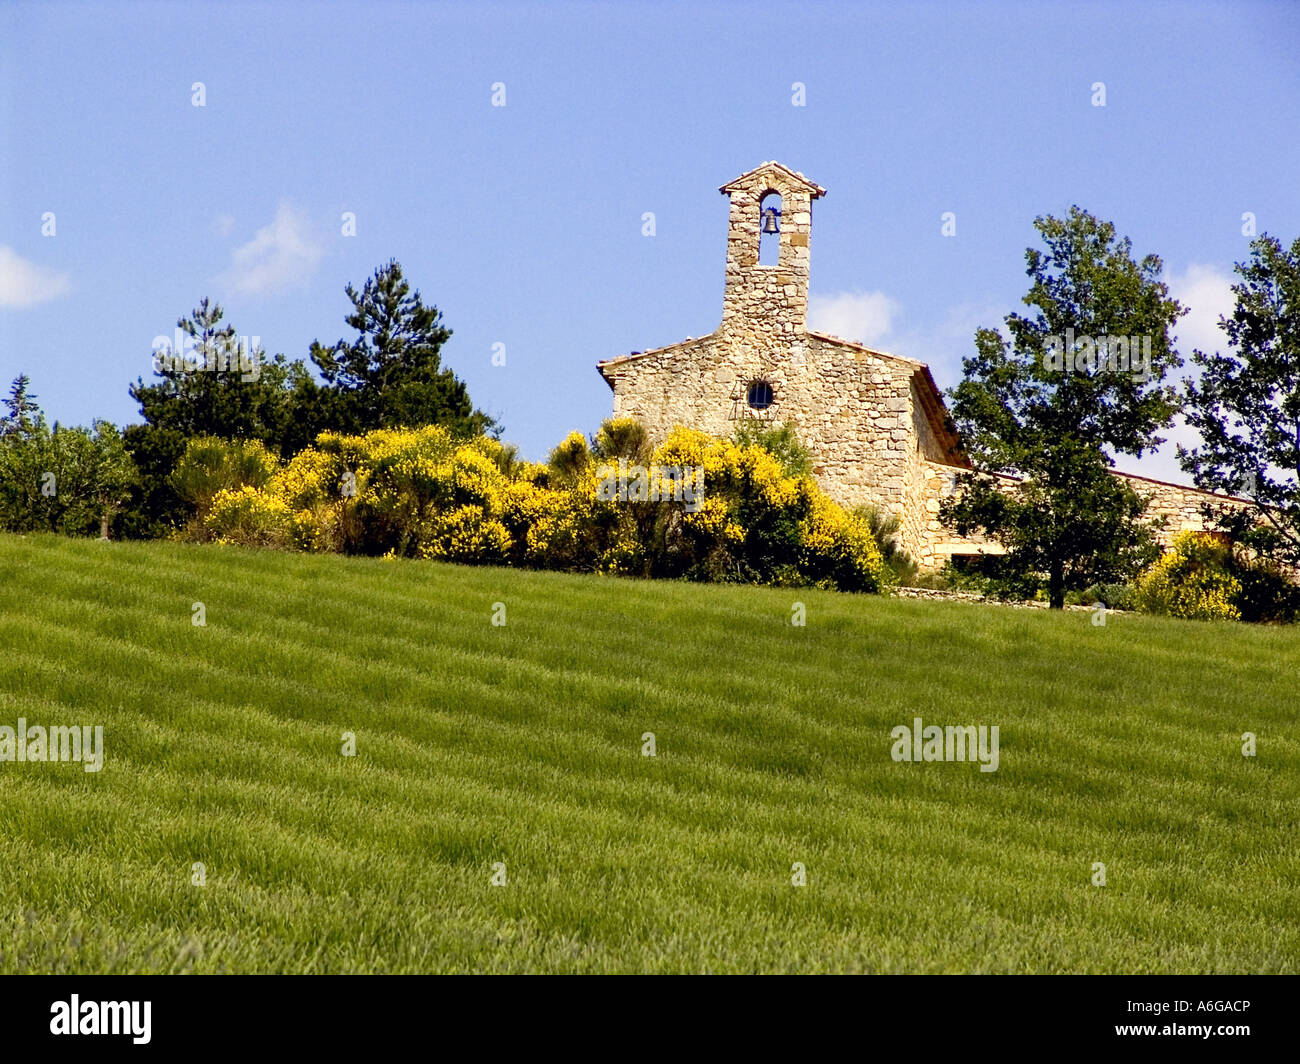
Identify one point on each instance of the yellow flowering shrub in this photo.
(839, 549)
(570, 458)
(210, 466)
(249, 517)
(756, 522)
(545, 524)
(310, 485)
(466, 534)
(697, 506)
(1190, 580)
(473, 478)
(309, 478)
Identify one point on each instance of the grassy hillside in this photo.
(522, 744)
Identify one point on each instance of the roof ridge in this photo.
(816, 189)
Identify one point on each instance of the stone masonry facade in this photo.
(875, 423)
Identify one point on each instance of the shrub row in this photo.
(1203, 578)
(696, 507)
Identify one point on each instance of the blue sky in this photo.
(523, 223)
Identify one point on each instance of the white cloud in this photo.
(280, 255)
(1207, 292)
(24, 284)
(866, 317)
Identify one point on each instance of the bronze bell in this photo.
(771, 220)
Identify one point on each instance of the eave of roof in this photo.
(618, 360)
(1190, 488)
(815, 189)
(863, 347)
(1182, 487)
(936, 413)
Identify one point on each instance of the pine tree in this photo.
(391, 375)
(23, 414)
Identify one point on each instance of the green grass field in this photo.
(522, 744)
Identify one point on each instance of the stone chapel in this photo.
(874, 423)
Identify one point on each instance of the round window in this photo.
(760, 395)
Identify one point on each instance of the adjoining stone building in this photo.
(875, 423)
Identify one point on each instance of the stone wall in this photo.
(1180, 506)
(853, 410)
(937, 544)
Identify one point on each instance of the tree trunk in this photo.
(103, 525)
(1056, 588)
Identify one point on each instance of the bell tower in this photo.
(767, 252)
